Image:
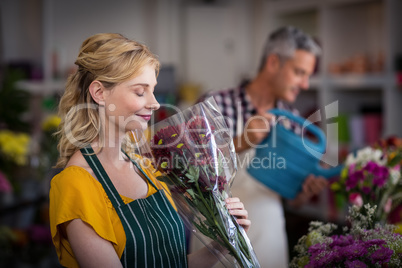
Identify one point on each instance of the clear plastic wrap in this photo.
(193, 153)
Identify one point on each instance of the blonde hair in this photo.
(109, 58)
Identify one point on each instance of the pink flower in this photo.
(356, 199)
(5, 186)
(388, 205)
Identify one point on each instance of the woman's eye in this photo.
(140, 94)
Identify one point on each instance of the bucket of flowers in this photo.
(362, 243)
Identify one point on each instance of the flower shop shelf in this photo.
(45, 87)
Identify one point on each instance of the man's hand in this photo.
(255, 131)
(312, 186)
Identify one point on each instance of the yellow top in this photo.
(75, 194)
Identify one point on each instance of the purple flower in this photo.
(366, 190)
(317, 249)
(353, 179)
(371, 167)
(355, 264)
(380, 173)
(324, 259)
(380, 178)
(341, 240)
(381, 256)
(374, 242)
(354, 251)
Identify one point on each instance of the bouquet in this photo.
(373, 176)
(364, 244)
(194, 152)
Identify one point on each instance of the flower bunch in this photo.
(51, 123)
(364, 244)
(14, 147)
(194, 152)
(372, 175)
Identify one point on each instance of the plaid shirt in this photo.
(236, 107)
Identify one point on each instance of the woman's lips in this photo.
(145, 117)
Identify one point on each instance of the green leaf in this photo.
(191, 177)
(191, 192)
(194, 172)
(396, 160)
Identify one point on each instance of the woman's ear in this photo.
(97, 91)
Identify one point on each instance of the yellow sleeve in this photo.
(75, 194)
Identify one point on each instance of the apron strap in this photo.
(102, 176)
(140, 169)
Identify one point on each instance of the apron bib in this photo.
(154, 230)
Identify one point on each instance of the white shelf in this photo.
(356, 81)
(290, 6)
(42, 87)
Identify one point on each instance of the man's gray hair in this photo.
(285, 41)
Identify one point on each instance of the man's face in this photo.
(293, 75)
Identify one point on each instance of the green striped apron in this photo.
(154, 230)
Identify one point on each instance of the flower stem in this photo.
(222, 234)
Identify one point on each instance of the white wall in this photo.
(208, 44)
(21, 29)
(71, 22)
(218, 42)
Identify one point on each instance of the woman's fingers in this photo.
(236, 208)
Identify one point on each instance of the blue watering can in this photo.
(285, 159)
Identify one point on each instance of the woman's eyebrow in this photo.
(139, 84)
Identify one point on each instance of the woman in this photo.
(104, 210)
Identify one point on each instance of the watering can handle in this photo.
(304, 123)
(328, 172)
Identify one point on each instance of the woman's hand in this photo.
(236, 208)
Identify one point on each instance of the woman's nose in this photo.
(154, 104)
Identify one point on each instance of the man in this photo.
(288, 61)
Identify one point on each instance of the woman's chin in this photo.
(139, 126)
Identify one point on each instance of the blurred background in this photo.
(203, 45)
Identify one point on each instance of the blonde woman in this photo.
(103, 211)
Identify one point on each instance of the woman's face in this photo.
(129, 105)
